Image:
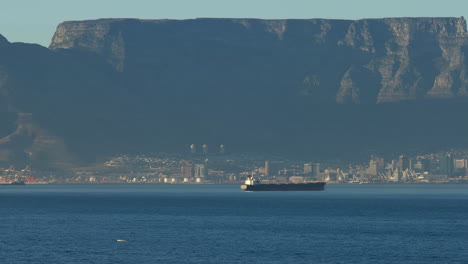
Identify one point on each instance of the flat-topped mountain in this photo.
(311, 87)
(344, 61)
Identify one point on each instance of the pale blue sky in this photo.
(34, 21)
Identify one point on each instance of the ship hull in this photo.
(315, 186)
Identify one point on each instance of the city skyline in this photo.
(232, 168)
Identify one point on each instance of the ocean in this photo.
(221, 224)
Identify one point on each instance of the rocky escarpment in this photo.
(363, 61)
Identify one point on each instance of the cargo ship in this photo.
(252, 185)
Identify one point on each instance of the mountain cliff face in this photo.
(307, 87)
(363, 61)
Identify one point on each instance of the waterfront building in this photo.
(200, 171)
(460, 164)
(436, 177)
(186, 169)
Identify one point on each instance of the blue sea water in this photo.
(221, 224)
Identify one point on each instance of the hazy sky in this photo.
(34, 21)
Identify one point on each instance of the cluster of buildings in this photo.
(433, 168)
(199, 165)
(193, 166)
(12, 174)
(437, 168)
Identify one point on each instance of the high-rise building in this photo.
(372, 169)
(267, 168)
(308, 168)
(446, 165)
(316, 169)
(193, 149)
(200, 171)
(376, 166)
(186, 169)
(205, 149)
(403, 163)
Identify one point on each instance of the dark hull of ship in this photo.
(314, 186)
